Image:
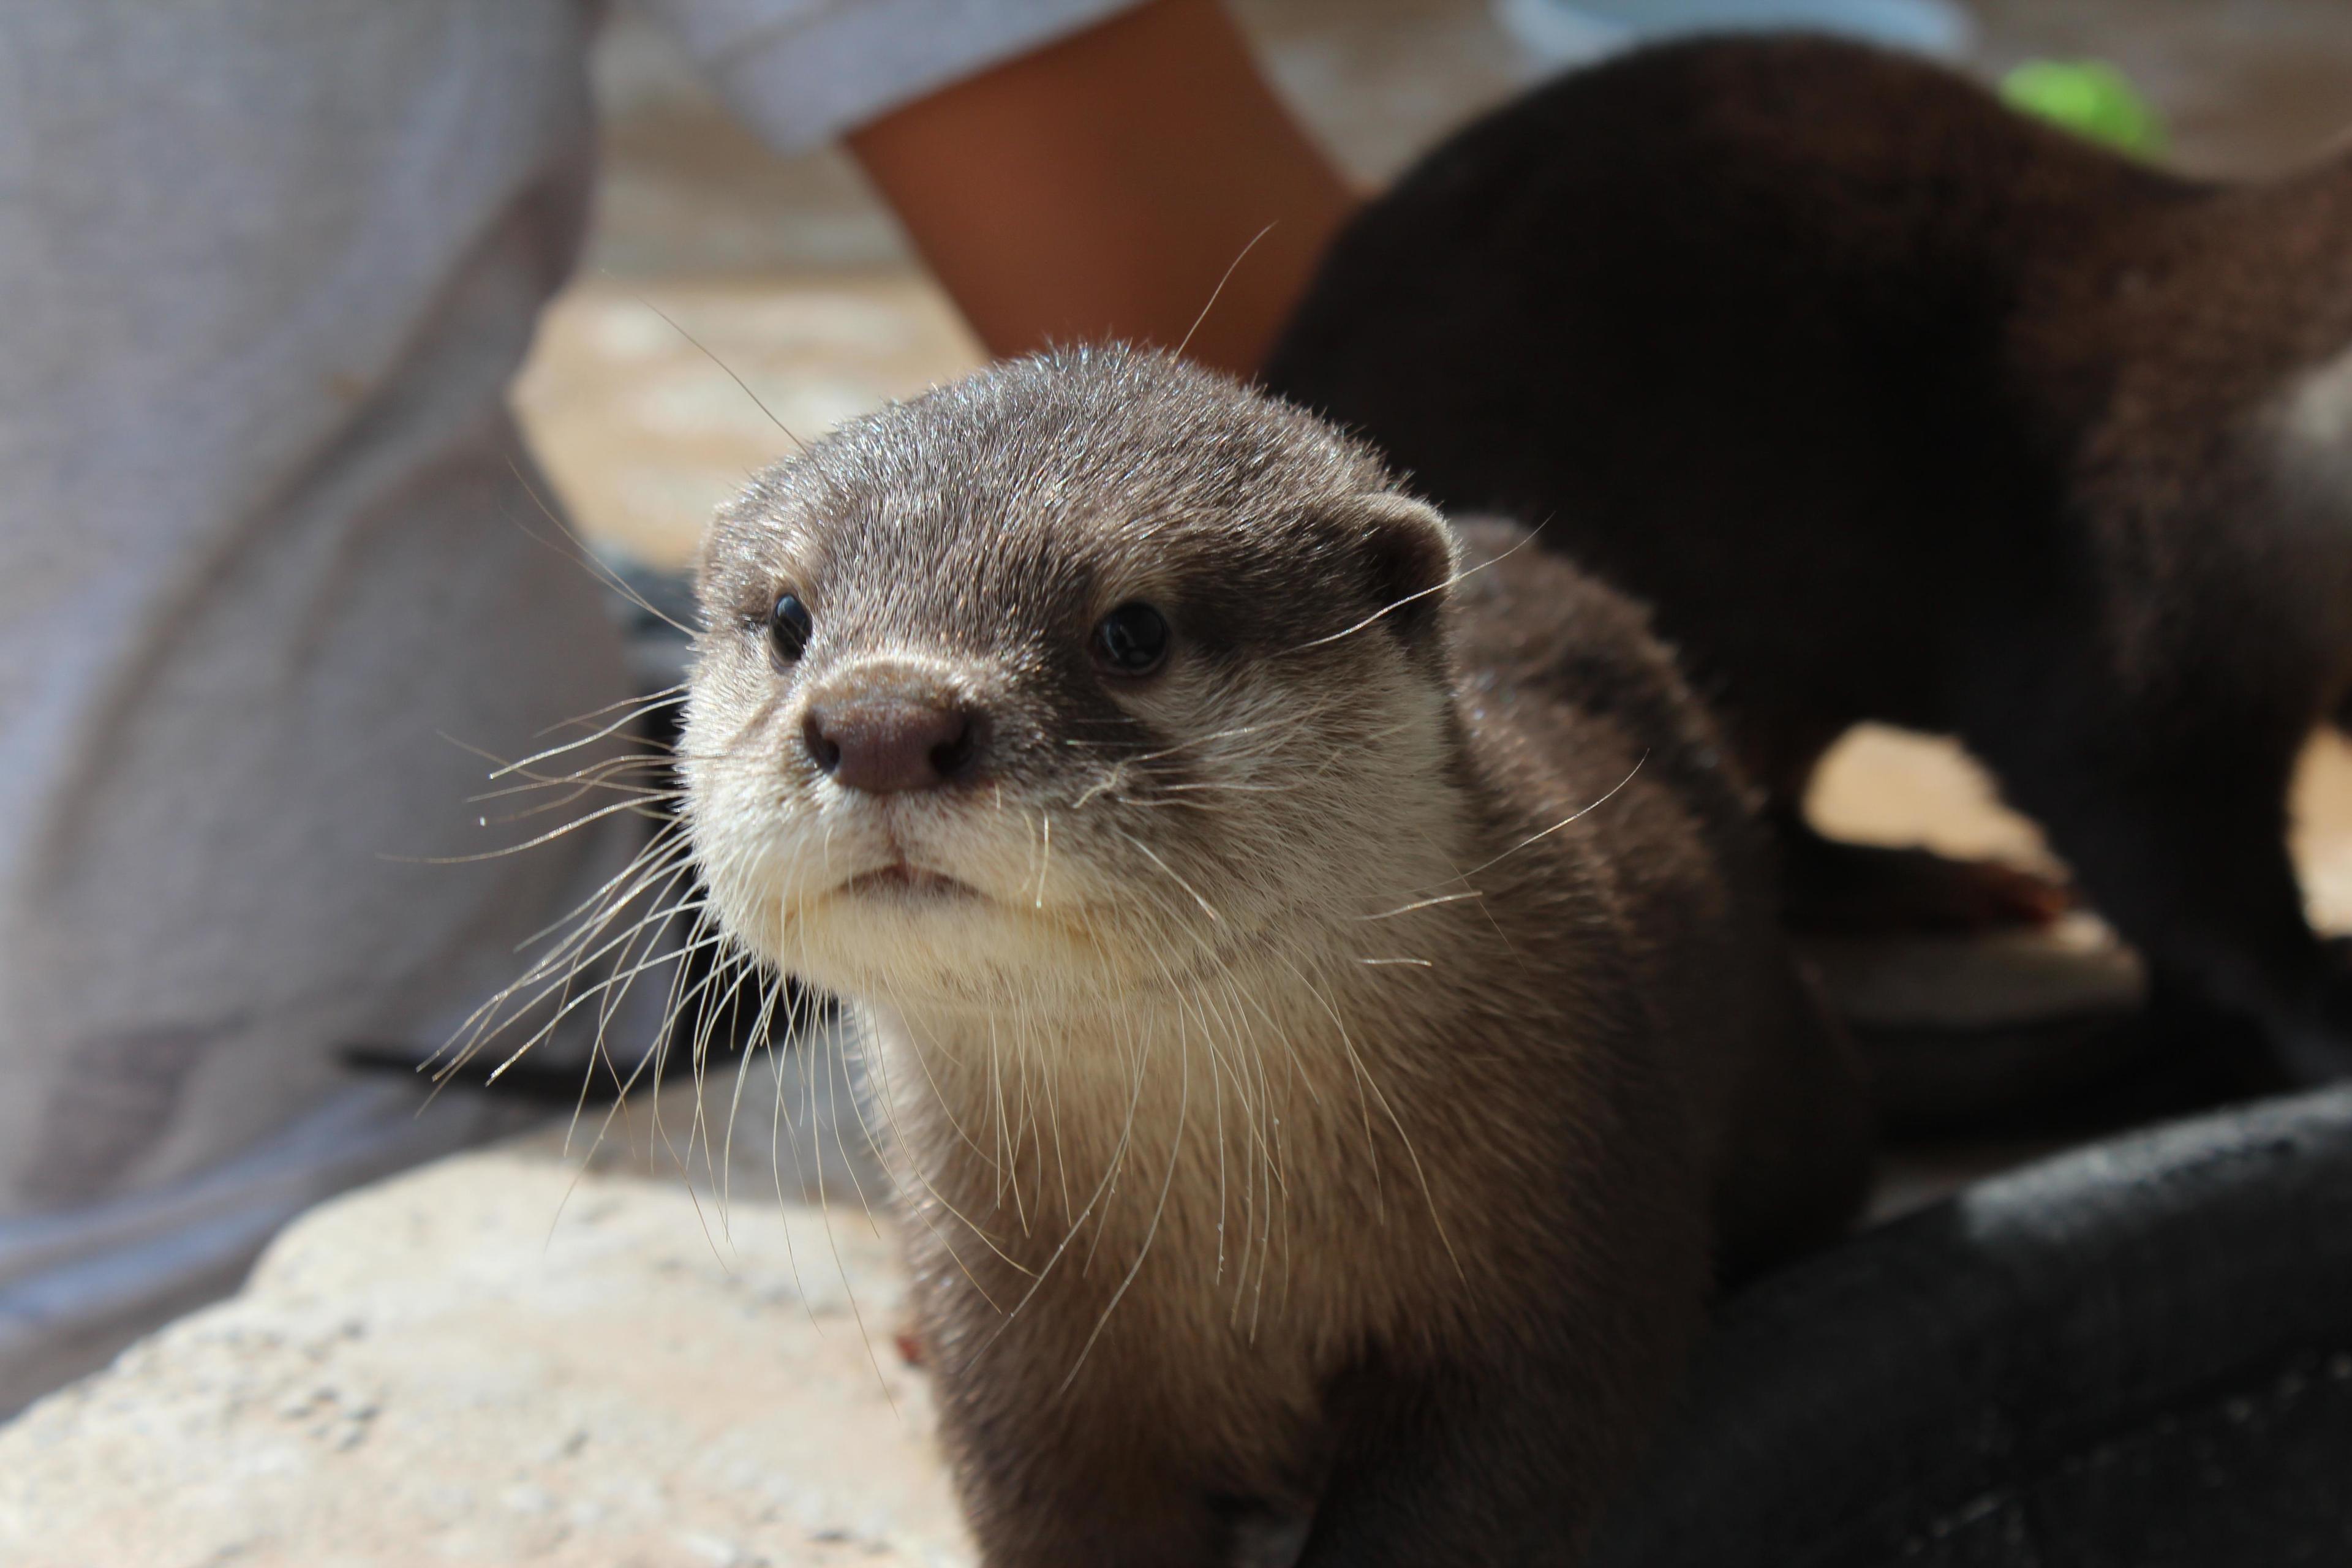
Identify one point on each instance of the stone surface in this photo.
(500, 1359)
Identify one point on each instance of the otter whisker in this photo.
(663, 859)
(632, 708)
(577, 786)
(523, 765)
(646, 798)
(765, 1040)
(1422, 1177)
(1117, 1163)
(558, 985)
(720, 998)
(1222, 786)
(1109, 1175)
(1030, 1060)
(722, 364)
(651, 1057)
(839, 1088)
(1571, 817)
(879, 1063)
(1003, 1137)
(1245, 1051)
(768, 988)
(1153, 855)
(1110, 781)
(580, 554)
(683, 996)
(1168, 1181)
(1424, 904)
(825, 1213)
(1224, 277)
(1045, 838)
(1208, 738)
(1217, 1104)
(603, 768)
(547, 838)
(673, 695)
(615, 990)
(1446, 586)
(618, 762)
(558, 973)
(667, 846)
(947, 1108)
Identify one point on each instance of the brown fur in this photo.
(1360, 1041)
(1898, 405)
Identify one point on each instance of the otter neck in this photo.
(1314, 1049)
(1320, 991)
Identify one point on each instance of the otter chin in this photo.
(905, 883)
(1320, 967)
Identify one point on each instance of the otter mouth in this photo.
(905, 883)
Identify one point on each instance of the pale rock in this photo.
(504, 1359)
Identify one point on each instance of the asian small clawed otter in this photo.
(1320, 972)
(1894, 403)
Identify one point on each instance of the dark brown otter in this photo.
(1327, 993)
(1895, 404)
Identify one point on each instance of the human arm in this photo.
(1101, 186)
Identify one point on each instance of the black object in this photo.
(2137, 1355)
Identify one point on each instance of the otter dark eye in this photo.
(788, 628)
(1132, 639)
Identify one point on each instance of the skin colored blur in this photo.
(1101, 186)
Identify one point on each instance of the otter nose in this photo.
(883, 743)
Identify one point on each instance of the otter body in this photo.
(1897, 406)
(1330, 1011)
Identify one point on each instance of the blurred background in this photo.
(794, 275)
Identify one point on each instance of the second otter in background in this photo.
(1898, 405)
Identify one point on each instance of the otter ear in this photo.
(1412, 554)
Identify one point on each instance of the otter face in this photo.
(1085, 675)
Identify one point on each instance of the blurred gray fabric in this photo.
(270, 563)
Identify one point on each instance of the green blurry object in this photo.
(2089, 98)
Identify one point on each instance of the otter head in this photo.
(1077, 677)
